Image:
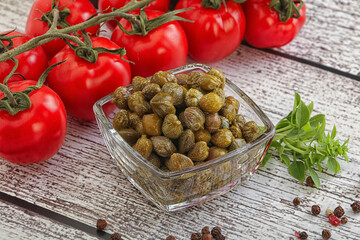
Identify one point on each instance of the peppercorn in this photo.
(334, 220)
(101, 224)
(303, 235)
(207, 236)
(216, 231)
(315, 210)
(344, 220)
(326, 234)
(329, 212)
(309, 182)
(339, 212)
(115, 236)
(219, 237)
(296, 201)
(170, 238)
(195, 236)
(356, 206)
(205, 230)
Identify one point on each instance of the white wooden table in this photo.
(63, 197)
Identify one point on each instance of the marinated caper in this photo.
(231, 100)
(215, 152)
(162, 104)
(176, 91)
(121, 120)
(236, 131)
(150, 90)
(192, 97)
(193, 79)
(129, 135)
(225, 124)
(209, 82)
(202, 135)
(222, 138)
(136, 122)
(137, 103)
(155, 160)
(211, 102)
(163, 77)
(186, 141)
(182, 79)
(239, 121)
(220, 75)
(172, 127)
(228, 111)
(138, 83)
(163, 146)
(251, 131)
(199, 152)
(220, 92)
(121, 96)
(194, 118)
(152, 124)
(237, 143)
(212, 122)
(178, 161)
(143, 146)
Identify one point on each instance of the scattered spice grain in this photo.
(205, 230)
(315, 210)
(344, 220)
(170, 238)
(309, 182)
(101, 224)
(195, 236)
(296, 201)
(334, 220)
(216, 231)
(303, 235)
(326, 234)
(339, 212)
(207, 236)
(356, 207)
(329, 212)
(115, 236)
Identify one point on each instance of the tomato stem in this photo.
(286, 8)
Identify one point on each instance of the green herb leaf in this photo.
(297, 170)
(285, 158)
(333, 165)
(302, 115)
(333, 132)
(314, 177)
(266, 159)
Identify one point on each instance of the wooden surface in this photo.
(63, 197)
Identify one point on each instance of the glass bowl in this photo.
(172, 191)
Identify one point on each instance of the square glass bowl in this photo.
(172, 191)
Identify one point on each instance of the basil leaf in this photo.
(315, 120)
(314, 177)
(333, 165)
(333, 132)
(302, 115)
(266, 159)
(297, 170)
(285, 159)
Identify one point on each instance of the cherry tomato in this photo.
(162, 48)
(264, 28)
(80, 83)
(80, 10)
(107, 5)
(214, 34)
(37, 133)
(32, 63)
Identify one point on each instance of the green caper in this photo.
(233, 101)
(137, 103)
(152, 124)
(163, 146)
(129, 135)
(136, 122)
(121, 120)
(251, 131)
(143, 146)
(192, 97)
(182, 79)
(220, 75)
(161, 78)
(239, 121)
(178, 161)
(222, 138)
(138, 83)
(235, 131)
(212, 122)
(199, 152)
(186, 141)
(193, 79)
(176, 91)
(202, 135)
(194, 118)
(237, 143)
(225, 124)
(150, 90)
(220, 92)
(215, 152)
(228, 111)
(209, 82)
(121, 96)
(162, 104)
(172, 127)
(211, 102)
(155, 160)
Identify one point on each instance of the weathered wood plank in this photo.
(82, 182)
(19, 223)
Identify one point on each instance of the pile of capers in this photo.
(178, 121)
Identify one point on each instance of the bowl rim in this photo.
(267, 135)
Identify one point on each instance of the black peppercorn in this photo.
(326, 234)
(115, 236)
(356, 206)
(101, 224)
(207, 236)
(219, 237)
(296, 201)
(216, 231)
(339, 212)
(344, 220)
(315, 210)
(309, 182)
(195, 236)
(170, 238)
(303, 235)
(205, 230)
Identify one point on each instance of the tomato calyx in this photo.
(216, 4)
(5, 38)
(142, 26)
(286, 8)
(64, 12)
(14, 102)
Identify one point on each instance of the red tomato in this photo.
(80, 83)
(107, 5)
(80, 10)
(32, 63)
(214, 34)
(37, 133)
(162, 48)
(264, 28)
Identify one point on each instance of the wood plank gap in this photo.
(54, 216)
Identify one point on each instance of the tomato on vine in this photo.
(273, 23)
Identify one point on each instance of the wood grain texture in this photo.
(82, 182)
(18, 223)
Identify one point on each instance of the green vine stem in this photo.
(216, 4)
(286, 8)
(63, 33)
